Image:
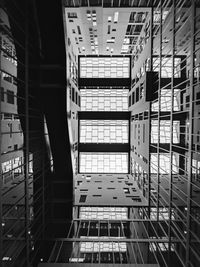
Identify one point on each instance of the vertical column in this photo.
(26, 158)
(150, 113)
(171, 134)
(1, 185)
(159, 108)
(191, 115)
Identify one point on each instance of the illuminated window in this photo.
(6, 166)
(165, 131)
(103, 246)
(103, 131)
(104, 162)
(196, 169)
(103, 213)
(108, 67)
(164, 162)
(166, 67)
(72, 15)
(104, 99)
(163, 214)
(17, 165)
(157, 16)
(166, 101)
(161, 247)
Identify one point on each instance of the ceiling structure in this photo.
(105, 31)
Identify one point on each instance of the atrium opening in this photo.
(100, 133)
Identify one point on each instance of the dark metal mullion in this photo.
(27, 132)
(191, 113)
(1, 204)
(159, 107)
(150, 107)
(171, 135)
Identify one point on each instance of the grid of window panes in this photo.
(104, 67)
(104, 99)
(103, 162)
(163, 214)
(164, 163)
(103, 213)
(103, 246)
(196, 169)
(103, 131)
(161, 246)
(165, 131)
(165, 101)
(166, 71)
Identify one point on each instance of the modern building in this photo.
(100, 133)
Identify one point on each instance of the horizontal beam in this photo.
(92, 147)
(104, 82)
(104, 115)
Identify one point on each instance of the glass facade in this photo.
(104, 99)
(103, 213)
(103, 131)
(104, 67)
(103, 162)
(165, 131)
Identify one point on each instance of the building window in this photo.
(108, 67)
(133, 98)
(129, 100)
(103, 213)
(103, 131)
(163, 214)
(72, 15)
(166, 67)
(165, 131)
(10, 97)
(104, 99)
(73, 92)
(2, 93)
(164, 163)
(6, 77)
(166, 101)
(103, 246)
(103, 162)
(76, 98)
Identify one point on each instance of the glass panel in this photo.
(166, 71)
(103, 162)
(103, 131)
(165, 131)
(102, 246)
(110, 67)
(103, 213)
(104, 99)
(166, 102)
(164, 162)
(163, 214)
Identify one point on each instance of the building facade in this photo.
(100, 133)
